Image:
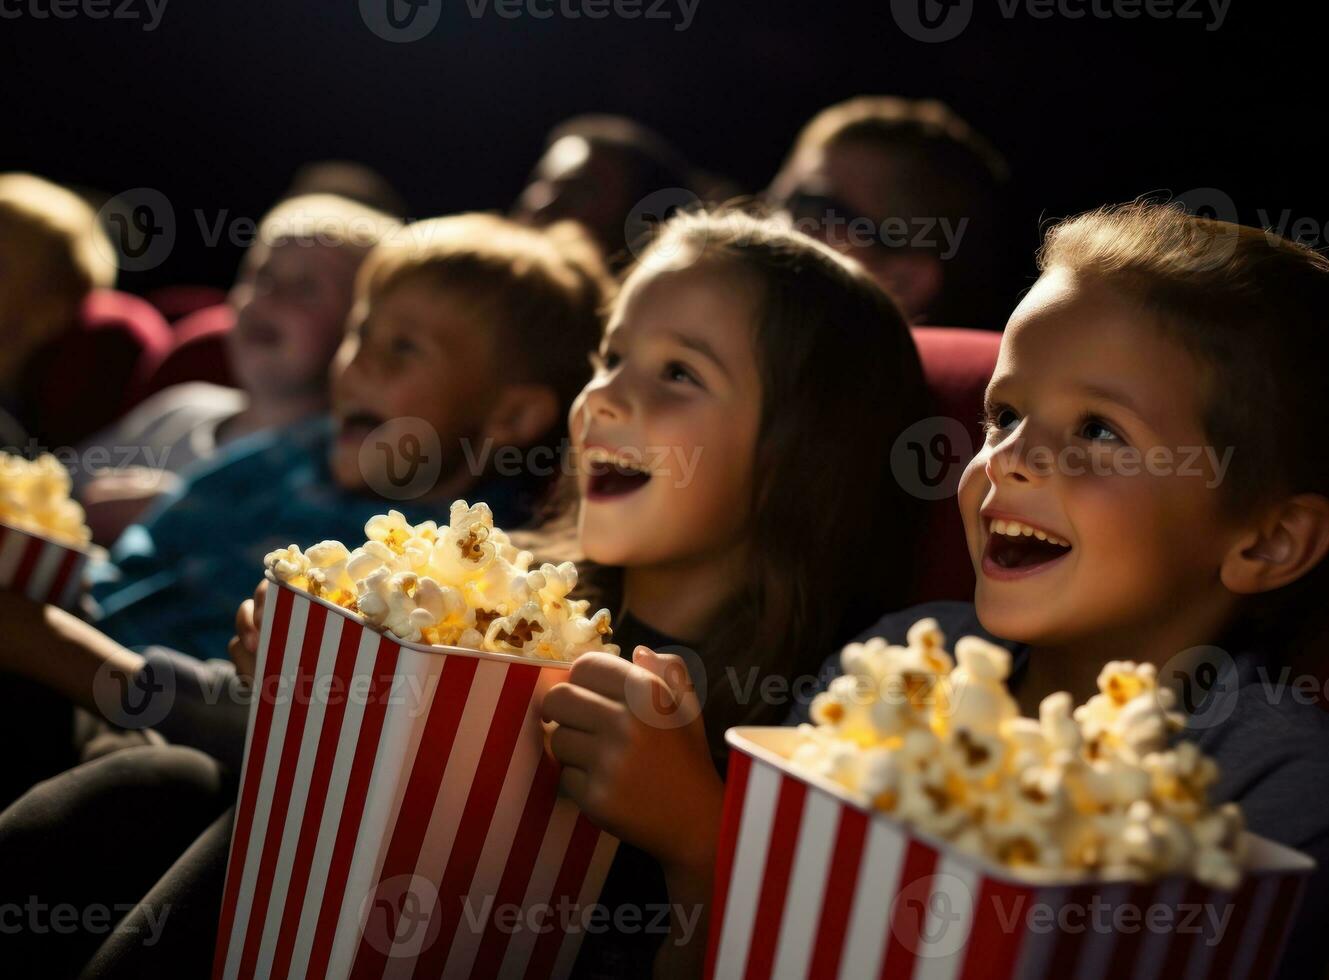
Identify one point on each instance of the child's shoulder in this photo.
(1270, 738)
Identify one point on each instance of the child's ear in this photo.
(1291, 540)
(521, 414)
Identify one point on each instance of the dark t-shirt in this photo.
(1271, 746)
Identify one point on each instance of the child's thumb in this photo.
(671, 669)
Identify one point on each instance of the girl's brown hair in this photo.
(831, 533)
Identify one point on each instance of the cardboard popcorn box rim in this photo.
(772, 745)
(449, 651)
(88, 551)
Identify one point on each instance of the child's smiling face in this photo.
(1094, 423)
(676, 397)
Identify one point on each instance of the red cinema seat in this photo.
(957, 365)
(199, 352)
(178, 302)
(81, 381)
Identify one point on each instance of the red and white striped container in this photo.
(399, 814)
(41, 568)
(809, 883)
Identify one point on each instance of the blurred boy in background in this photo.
(467, 343)
(291, 301)
(53, 255)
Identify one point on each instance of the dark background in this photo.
(218, 106)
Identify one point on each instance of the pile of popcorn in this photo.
(464, 584)
(34, 496)
(1093, 792)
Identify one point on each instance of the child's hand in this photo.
(114, 499)
(634, 753)
(243, 648)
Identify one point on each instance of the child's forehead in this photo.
(310, 257)
(710, 294)
(1074, 335)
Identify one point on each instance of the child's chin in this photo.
(1016, 622)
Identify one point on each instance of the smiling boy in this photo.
(1151, 333)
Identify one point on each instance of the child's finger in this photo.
(576, 707)
(244, 624)
(573, 748)
(575, 783)
(669, 668)
(602, 673)
(260, 596)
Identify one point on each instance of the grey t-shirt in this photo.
(1268, 737)
(170, 430)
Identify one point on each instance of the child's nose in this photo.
(1017, 460)
(605, 400)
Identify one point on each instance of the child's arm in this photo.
(59, 650)
(204, 704)
(636, 760)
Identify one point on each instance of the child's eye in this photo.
(1096, 430)
(602, 361)
(999, 418)
(404, 347)
(678, 372)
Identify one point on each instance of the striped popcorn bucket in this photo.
(40, 568)
(811, 884)
(399, 815)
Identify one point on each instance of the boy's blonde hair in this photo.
(54, 253)
(1253, 308)
(543, 291)
(326, 219)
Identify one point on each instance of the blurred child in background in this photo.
(912, 192)
(465, 345)
(595, 170)
(53, 255)
(291, 301)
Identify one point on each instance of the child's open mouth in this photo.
(260, 334)
(611, 475)
(1015, 549)
(355, 426)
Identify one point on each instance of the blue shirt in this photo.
(177, 578)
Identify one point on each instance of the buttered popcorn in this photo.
(34, 496)
(1089, 791)
(464, 584)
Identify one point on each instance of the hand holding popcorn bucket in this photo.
(44, 544)
(399, 814)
